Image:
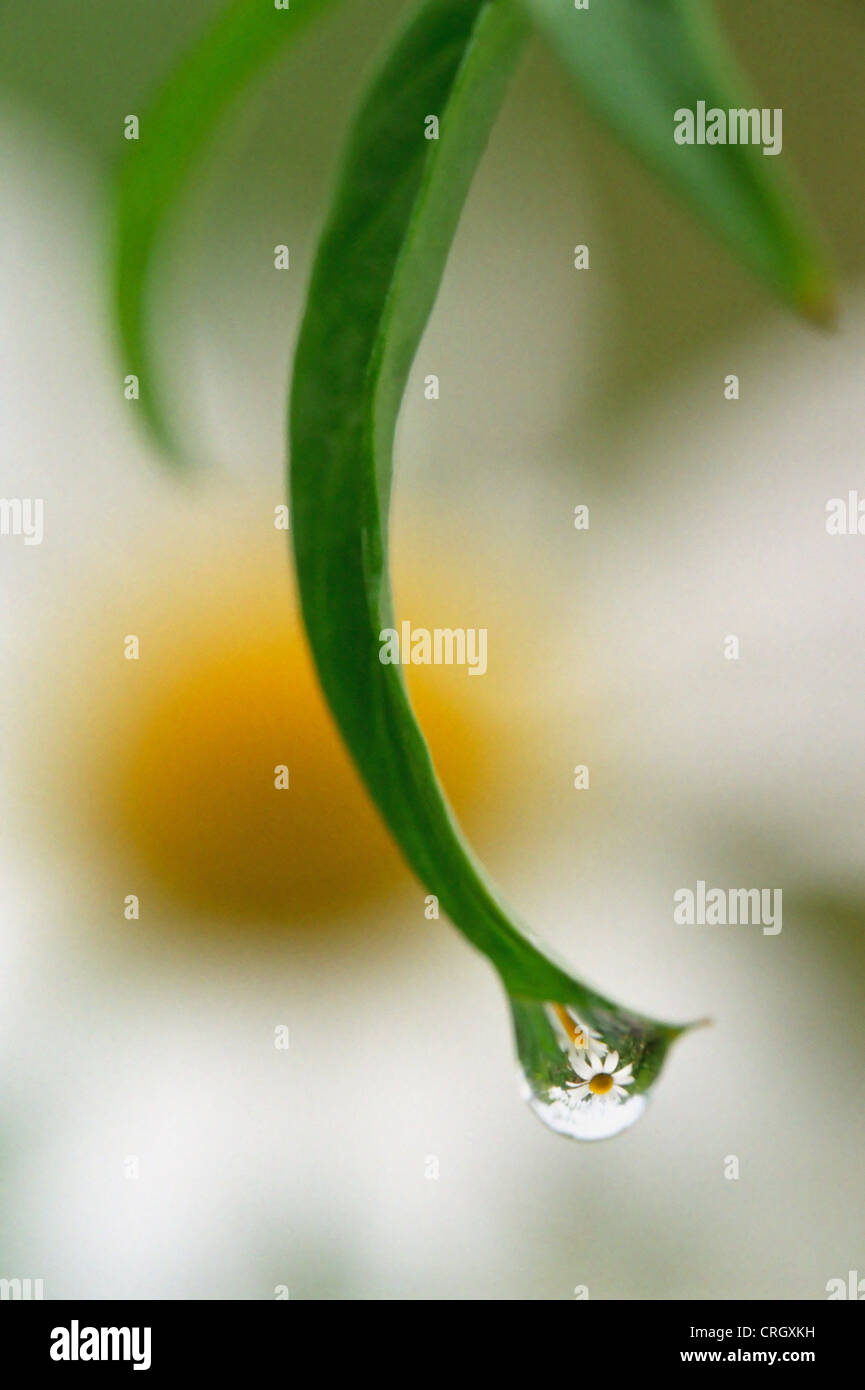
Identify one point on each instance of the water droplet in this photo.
(582, 1119)
(587, 1077)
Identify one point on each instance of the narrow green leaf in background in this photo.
(378, 270)
(637, 62)
(174, 130)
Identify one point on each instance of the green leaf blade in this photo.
(378, 270)
(636, 63)
(173, 132)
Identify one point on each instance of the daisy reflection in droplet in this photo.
(600, 1081)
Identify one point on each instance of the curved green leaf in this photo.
(639, 61)
(377, 273)
(243, 39)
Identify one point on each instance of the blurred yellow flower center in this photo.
(601, 1084)
(206, 775)
(234, 792)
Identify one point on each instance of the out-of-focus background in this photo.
(154, 1139)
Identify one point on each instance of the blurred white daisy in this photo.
(600, 1081)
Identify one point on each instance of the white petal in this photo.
(584, 1068)
(611, 1061)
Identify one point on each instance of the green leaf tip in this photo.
(156, 170)
(817, 300)
(637, 64)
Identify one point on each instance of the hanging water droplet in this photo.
(587, 1080)
(563, 1112)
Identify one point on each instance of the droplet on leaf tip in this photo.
(579, 1082)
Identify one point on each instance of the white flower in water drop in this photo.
(582, 1038)
(570, 1087)
(600, 1081)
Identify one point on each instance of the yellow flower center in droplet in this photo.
(601, 1084)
